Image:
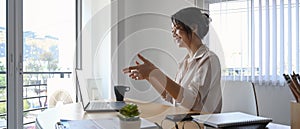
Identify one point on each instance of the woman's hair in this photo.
(190, 16)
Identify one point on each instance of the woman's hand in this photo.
(140, 71)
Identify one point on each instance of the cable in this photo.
(161, 123)
(197, 123)
(199, 126)
(176, 125)
(159, 127)
(183, 125)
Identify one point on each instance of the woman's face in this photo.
(180, 35)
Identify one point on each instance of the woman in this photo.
(197, 83)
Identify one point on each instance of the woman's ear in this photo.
(194, 28)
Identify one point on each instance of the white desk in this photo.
(150, 111)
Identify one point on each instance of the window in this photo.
(260, 39)
(48, 53)
(45, 39)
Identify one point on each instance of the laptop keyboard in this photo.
(107, 105)
(117, 104)
(100, 105)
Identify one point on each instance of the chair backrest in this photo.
(239, 96)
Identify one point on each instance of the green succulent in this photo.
(129, 111)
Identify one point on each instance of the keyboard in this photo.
(107, 105)
(100, 105)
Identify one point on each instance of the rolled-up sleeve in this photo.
(189, 97)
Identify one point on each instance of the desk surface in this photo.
(151, 111)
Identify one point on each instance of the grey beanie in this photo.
(193, 16)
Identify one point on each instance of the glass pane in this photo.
(48, 53)
(226, 17)
(2, 63)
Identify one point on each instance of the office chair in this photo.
(60, 96)
(239, 96)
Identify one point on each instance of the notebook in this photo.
(94, 106)
(236, 120)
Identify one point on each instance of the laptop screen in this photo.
(82, 83)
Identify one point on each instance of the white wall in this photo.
(96, 25)
(274, 102)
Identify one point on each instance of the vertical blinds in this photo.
(278, 39)
(272, 29)
(281, 45)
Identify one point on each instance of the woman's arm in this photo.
(187, 96)
(159, 80)
(162, 83)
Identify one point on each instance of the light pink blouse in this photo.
(200, 78)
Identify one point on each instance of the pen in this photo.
(292, 87)
(59, 125)
(295, 82)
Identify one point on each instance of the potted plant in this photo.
(129, 117)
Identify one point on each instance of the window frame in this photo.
(14, 62)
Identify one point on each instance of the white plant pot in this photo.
(130, 124)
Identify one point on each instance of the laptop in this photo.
(94, 106)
